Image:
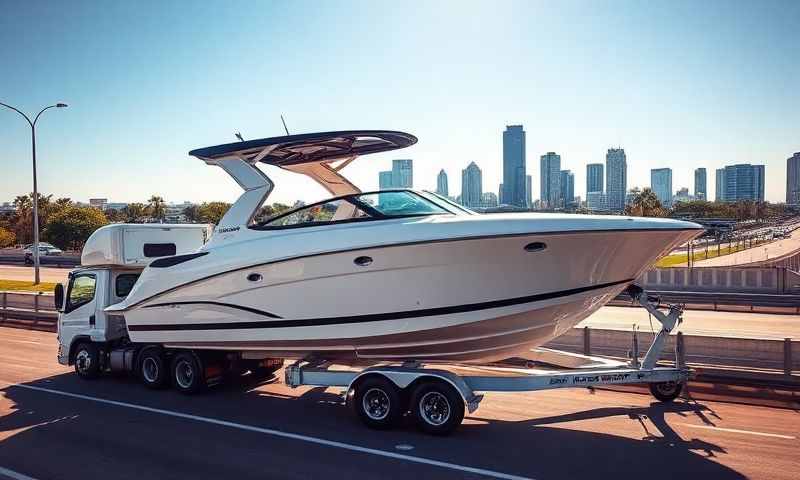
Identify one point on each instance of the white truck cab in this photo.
(95, 342)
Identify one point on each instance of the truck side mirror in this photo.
(59, 297)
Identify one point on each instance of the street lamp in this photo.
(35, 190)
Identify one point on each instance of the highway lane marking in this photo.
(14, 475)
(277, 433)
(733, 430)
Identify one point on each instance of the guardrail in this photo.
(722, 280)
(28, 310)
(726, 302)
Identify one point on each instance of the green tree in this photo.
(134, 212)
(645, 203)
(71, 226)
(7, 238)
(157, 208)
(192, 213)
(212, 212)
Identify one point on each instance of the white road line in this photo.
(4, 472)
(733, 430)
(278, 433)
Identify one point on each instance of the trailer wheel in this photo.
(438, 408)
(377, 402)
(666, 391)
(87, 360)
(187, 373)
(153, 370)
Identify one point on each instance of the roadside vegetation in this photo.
(697, 255)
(22, 286)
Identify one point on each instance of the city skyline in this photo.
(142, 94)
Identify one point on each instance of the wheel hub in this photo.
(434, 408)
(150, 369)
(83, 361)
(184, 374)
(376, 404)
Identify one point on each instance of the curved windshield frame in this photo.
(367, 206)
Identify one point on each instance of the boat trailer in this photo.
(382, 394)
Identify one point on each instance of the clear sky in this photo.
(677, 84)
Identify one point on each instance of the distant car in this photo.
(45, 250)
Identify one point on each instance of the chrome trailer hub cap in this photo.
(666, 388)
(376, 404)
(434, 408)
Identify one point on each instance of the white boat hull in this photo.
(474, 299)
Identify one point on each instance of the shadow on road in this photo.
(81, 430)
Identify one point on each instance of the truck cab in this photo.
(111, 262)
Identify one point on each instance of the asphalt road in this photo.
(53, 425)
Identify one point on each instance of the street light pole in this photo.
(35, 189)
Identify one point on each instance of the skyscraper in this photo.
(550, 181)
(594, 177)
(471, 186)
(744, 182)
(793, 179)
(719, 181)
(385, 180)
(402, 174)
(528, 191)
(514, 166)
(567, 188)
(700, 190)
(616, 178)
(661, 183)
(441, 183)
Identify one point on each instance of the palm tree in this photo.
(134, 212)
(645, 203)
(157, 208)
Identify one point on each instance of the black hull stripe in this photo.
(220, 304)
(376, 317)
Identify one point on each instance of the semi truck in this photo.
(95, 342)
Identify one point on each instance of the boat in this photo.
(392, 275)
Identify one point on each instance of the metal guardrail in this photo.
(726, 302)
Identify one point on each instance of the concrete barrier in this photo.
(722, 280)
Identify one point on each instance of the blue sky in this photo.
(677, 84)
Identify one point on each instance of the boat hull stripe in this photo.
(375, 317)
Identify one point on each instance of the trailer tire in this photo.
(153, 368)
(187, 373)
(87, 360)
(377, 402)
(437, 407)
(666, 391)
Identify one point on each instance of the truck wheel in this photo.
(438, 408)
(377, 402)
(153, 371)
(87, 361)
(666, 391)
(187, 373)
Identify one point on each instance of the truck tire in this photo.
(666, 391)
(87, 360)
(187, 373)
(153, 368)
(377, 402)
(437, 407)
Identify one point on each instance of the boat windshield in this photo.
(399, 203)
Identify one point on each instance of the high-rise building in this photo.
(488, 200)
(616, 179)
(596, 201)
(528, 191)
(594, 177)
(661, 183)
(744, 182)
(441, 183)
(719, 181)
(700, 190)
(550, 181)
(514, 166)
(682, 195)
(793, 179)
(567, 188)
(402, 174)
(500, 194)
(471, 186)
(385, 180)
